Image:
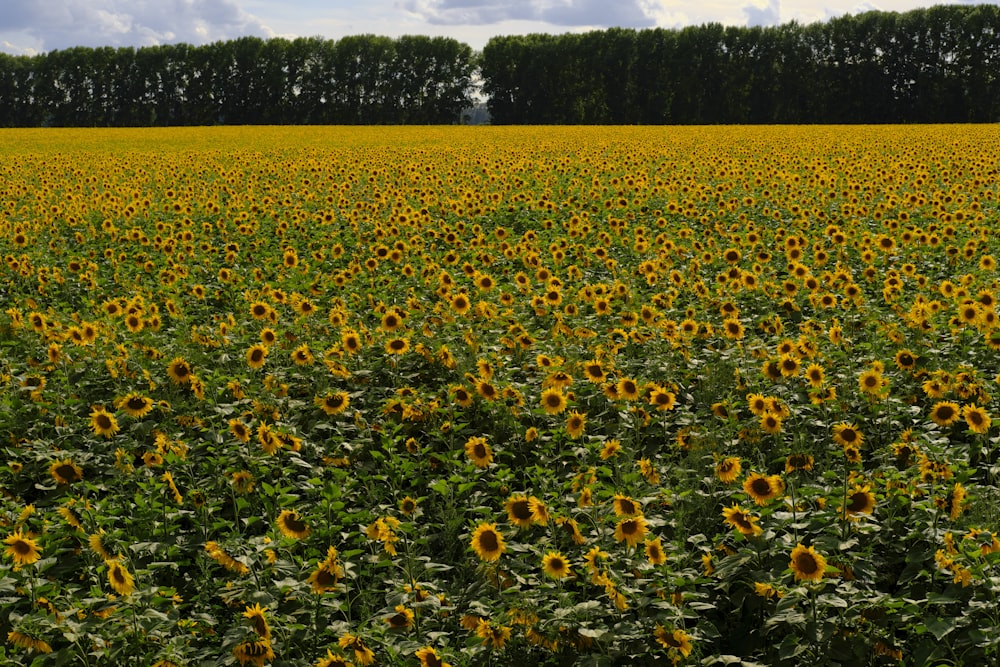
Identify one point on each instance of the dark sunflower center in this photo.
(488, 541)
(256, 355)
(806, 564)
(103, 422)
(479, 450)
(859, 501)
(21, 548)
(67, 472)
(295, 524)
(761, 487)
(521, 510)
(136, 403)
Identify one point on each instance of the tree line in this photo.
(363, 79)
(940, 64)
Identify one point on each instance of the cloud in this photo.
(769, 14)
(622, 13)
(59, 24)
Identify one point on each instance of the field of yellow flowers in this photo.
(505, 396)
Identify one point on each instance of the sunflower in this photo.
(479, 452)
(291, 525)
(351, 341)
(428, 657)
(733, 329)
(408, 506)
(325, 577)
(120, 578)
(807, 564)
(789, 365)
(860, 500)
(268, 336)
(65, 471)
(871, 382)
(332, 660)
(402, 619)
(770, 423)
(976, 418)
(487, 390)
(179, 371)
(22, 549)
(815, 375)
(763, 489)
(539, 512)
(487, 542)
(258, 620)
(662, 399)
(256, 355)
(593, 371)
(103, 422)
(555, 565)
(255, 651)
(302, 355)
(741, 520)
(333, 404)
(676, 641)
(625, 506)
(798, 462)
(239, 429)
(728, 469)
(362, 654)
(610, 449)
(27, 641)
(461, 395)
(553, 401)
(757, 404)
(572, 527)
(135, 404)
(847, 435)
(945, 413)
(631, 530)
(628, 389)
(260, 310)
(654, 552)
(397, 345)
(905, 360)
(575, 424)
(460, 303)
(519, 510)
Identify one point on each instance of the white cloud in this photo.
(59, 24)
(624, 13)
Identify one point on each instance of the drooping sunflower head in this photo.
(728, 469)
(292, 525)
(65, 471)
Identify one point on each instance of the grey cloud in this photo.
(628, 13)
(58, 24)
(770, 15)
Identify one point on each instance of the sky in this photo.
(34, 26)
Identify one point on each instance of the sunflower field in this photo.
(500, 396)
